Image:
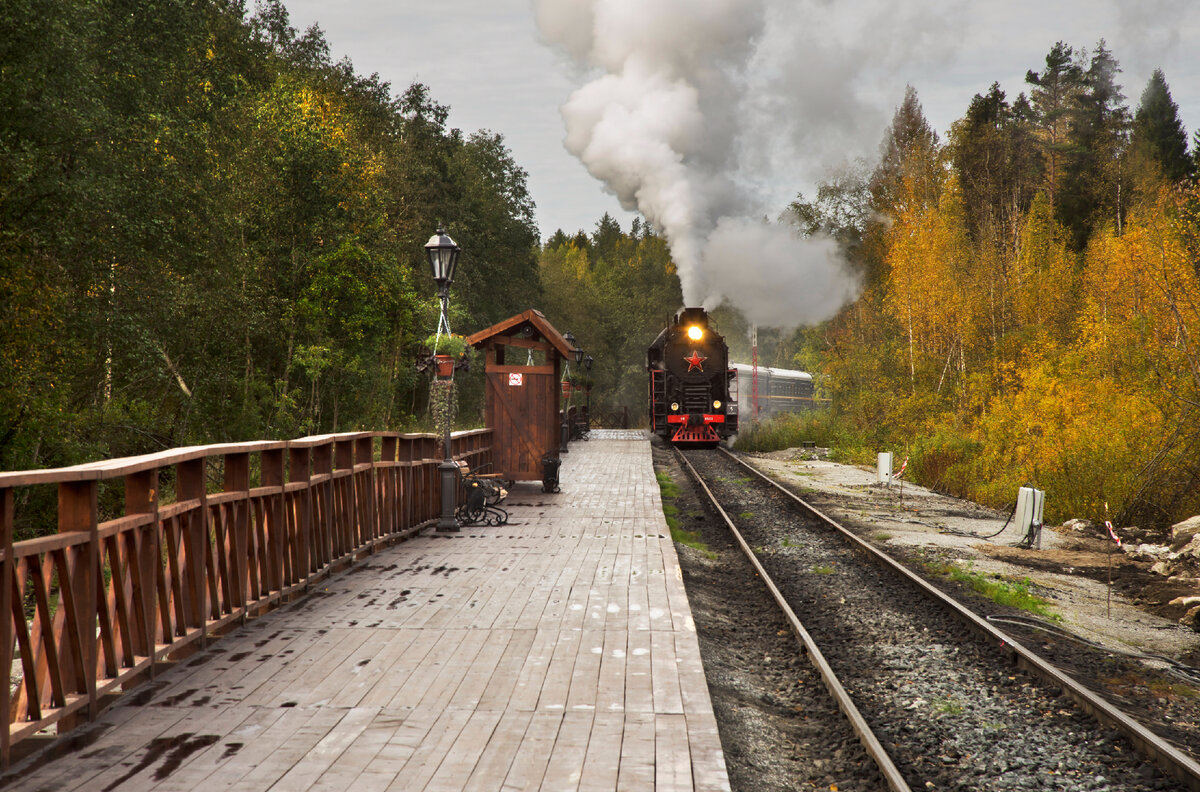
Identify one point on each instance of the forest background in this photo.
(210, 232)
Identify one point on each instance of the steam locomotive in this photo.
(690, 376)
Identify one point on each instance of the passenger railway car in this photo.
(779, 390)
(690, 400)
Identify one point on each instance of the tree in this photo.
(908, 171)
(606, 237)
(905, 155)
(1094, 177)
(995, 156)
(1158, 137)
(840, 209)
(1052, 97)
(209, 231)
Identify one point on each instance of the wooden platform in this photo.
(554, 653)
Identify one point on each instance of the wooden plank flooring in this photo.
(556, 652)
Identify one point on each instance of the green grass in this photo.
(788, 430)
(668, 488)
(691, 539)
(1015, 593)
(948, 706)
(882, 537)
(822, 570)
(746, 515)
(670, 491)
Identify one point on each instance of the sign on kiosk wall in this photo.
(516, 380)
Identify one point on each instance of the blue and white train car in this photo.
(779, 390)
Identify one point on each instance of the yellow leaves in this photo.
(1141, 298)
(1041, 279)
(930, 266)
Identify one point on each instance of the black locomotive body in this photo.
(690, 377)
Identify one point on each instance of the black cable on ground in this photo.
(1188, 673)
(956, 532)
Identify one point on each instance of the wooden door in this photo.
(522, 410)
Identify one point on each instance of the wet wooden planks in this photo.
(554, 653)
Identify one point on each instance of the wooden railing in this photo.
(92, 608)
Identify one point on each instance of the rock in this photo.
(1192, 619)
(1147, 552)
(1189, 601)
(1080, 526)
(1189, 550)
(1161, 568)
(1184, 532)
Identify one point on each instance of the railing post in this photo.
(237, 479)
(275, 529)
(191, 486)
(322, 500)
(6, 623)
(77, 512)
(141, 497)
(299, 471)
(387, 476)
(364, 453)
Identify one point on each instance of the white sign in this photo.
(516, 380)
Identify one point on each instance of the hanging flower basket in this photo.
(443, 366)
(444, 344)
(566, 388)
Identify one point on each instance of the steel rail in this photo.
(858, 723)
(1164, 754)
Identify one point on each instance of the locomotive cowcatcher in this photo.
(690, 400)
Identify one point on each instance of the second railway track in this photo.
(940, 690)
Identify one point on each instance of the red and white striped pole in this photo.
(754, 377)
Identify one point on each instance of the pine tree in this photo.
(908, 173)
(1158, 134)
(1094, 188)
(906, 152)
(607, 236)
(998, 166)
(1052, 96)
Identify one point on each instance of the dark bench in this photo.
(482, 495)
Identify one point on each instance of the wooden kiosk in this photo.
(523, 399)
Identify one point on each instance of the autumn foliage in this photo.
(1048, 339)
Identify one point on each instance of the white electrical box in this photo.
(1029, 508)
(885, 467)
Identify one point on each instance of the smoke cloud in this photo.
(707, 115)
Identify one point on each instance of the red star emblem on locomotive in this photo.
(696, 361)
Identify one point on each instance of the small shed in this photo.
(522, 399)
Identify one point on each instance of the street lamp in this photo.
(443, 259)
(565, 429)
(587, 392)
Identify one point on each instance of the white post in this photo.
(884, 468)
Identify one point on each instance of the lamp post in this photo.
(587, 392)
(443, 258)
(565, 429)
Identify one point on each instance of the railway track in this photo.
(937, 697)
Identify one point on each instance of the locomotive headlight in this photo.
(717, 404)
(695, 332)
(675, 406)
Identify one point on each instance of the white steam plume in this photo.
(698, 109)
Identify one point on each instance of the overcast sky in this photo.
(486, 60)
